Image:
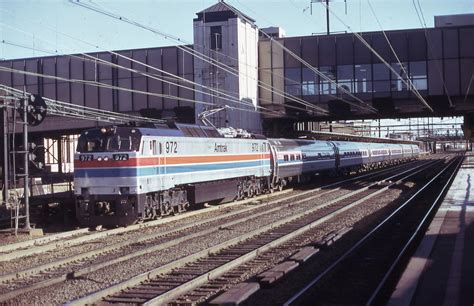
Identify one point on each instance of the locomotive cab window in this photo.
(110, 142)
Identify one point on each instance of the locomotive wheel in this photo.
(251, 192)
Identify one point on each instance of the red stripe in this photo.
(169, 160)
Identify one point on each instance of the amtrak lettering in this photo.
(220, 147)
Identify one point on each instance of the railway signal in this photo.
(35, 109)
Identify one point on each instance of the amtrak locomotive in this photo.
(124, 174)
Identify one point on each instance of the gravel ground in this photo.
(120, 272)
(362, 219)
(100, 279)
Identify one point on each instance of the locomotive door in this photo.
(337, 156)
(274, 163)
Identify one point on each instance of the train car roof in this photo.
(176, 130)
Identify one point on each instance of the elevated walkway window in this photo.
(363, 78)
(397, 83)
(326, 86)
(381, 75)
(293, 81)
(310, 80)
(418, 75)
(345, 77)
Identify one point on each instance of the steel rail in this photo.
(121, 230)
(61, 276)
(39, 245)
(358, 244)
(423, 223)
(191, 258)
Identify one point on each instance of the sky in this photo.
(29, 27)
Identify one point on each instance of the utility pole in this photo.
(4, 150)
(26, 189)
(327, 11)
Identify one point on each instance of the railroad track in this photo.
(48, 243)
(367, 270)
(168, 282)
(20, 282)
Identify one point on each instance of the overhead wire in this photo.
(154, 76)
(197, 54)
(361, 39)
(430, 46)
(410, 84)
(363, 105)
(108, 86)
(95, 59)
(285, 78)
(468, 87)
(59, 108)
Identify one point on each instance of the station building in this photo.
(439, 61)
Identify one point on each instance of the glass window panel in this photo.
(400, 68)
(328, 71)
(363, 86)
(292, 75)
(363, 72)
(327, 87)
(345, 76)
(418, 75)
(381, 86)
(420, 84)
(309, 83)
(344, 72)
(418, 69)
(381, 72)
(346, 84)
(398, 85)
(293, 81)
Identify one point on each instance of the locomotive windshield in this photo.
(98, 141)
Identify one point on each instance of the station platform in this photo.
(441, 272)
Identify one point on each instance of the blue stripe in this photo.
(131, 172)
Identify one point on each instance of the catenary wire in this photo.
(363, 105)
(430, 46)
(194, 52)
(422, 100)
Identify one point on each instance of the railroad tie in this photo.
(272, 275)
(236, 294)
(304, 254)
